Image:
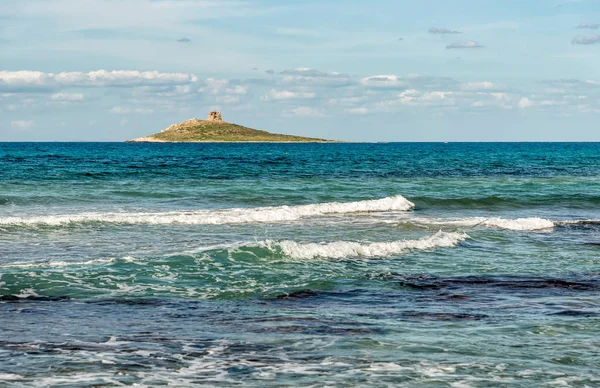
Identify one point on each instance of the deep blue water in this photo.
(417, 264)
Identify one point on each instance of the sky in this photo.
(395, 70)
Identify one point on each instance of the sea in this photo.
(289, 265)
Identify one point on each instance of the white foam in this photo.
(62, 263)
(10, 376)
(224, 216)
(349, 249)
(523, 224)
(533, 223)
(26, 293)
(112, 341)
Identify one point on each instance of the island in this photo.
(214, 129)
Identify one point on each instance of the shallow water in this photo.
(300, 264)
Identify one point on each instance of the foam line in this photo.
(522, 224)
(223, 216)
(349, 249)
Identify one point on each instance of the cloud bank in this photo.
(302, 93)
(17, 80)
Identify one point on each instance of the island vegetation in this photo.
(216, 130)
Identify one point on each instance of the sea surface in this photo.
(401, 264)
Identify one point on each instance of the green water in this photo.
(300, 264)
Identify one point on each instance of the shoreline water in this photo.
(265, 265)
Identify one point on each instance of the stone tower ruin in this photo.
(214, 116)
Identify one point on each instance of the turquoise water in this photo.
(449, 265)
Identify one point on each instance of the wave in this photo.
(51, 264)
(348, 249)
(285, 248)
(224, 216)
(518, 224)
(532, 223)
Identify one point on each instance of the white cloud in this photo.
(346, 101)
(417, 81)
(464, 45)
(587, 39)
(456, 99)
(499, 96)
(525, 103)
(122, 111)
(229, 99)
(278, 95)
(237, 89)
(575, 97)
(216, 83)
(143, 111)
(542, 101)
(383, 81)
(296, 32)
(308, 72)
(442, 31)
(551, 103)
(119, 110)
(408, 95)
(357, 111)
(491, 104)
(591, 26)
(435, 98)
(304, 111)
(24, 79)
(183, 89)
(68, 96)
(307, 76)
(477, 86)
(22, 124)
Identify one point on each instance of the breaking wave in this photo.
(348, 249)
(532, 223)
(224, 216)
(518, 224)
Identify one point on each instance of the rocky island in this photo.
(214, 129)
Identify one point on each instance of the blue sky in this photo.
(427, 70)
